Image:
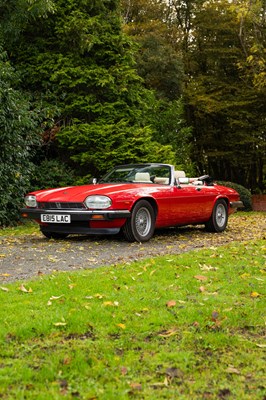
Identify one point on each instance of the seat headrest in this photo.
(179, 174)
(142, 177)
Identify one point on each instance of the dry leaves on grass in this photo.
(32, 255)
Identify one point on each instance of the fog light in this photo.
(96, 216)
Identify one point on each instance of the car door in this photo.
(191, 204)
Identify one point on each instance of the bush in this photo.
(51, 174)
(245, 195)
(19, 137)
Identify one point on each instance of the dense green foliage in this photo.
(19, 133)
(117, 81)
(221, 47)
(79, 59)
(227, 113)
(51, 173)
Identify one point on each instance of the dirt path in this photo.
(26, 257)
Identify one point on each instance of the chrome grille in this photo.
(61, 206)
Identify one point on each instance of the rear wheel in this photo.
(140, 227)
(219, 217)
(54, 235)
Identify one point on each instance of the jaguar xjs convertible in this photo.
(135, 199)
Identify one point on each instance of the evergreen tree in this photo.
(79, 59)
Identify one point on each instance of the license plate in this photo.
(56, 218)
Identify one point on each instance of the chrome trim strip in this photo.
(79, 212)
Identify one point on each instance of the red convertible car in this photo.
(135, 198)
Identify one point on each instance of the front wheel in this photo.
(219, 217)
(140, 227)
(54, 235)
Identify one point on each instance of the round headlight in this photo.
(98, 202)
(30, 201)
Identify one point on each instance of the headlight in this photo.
(30, 201)
(98, 202)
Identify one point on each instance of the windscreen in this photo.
(139, 174)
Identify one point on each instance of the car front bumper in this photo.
(236, 204)
(82, 221)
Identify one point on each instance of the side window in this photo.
(161, 175)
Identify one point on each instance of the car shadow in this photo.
(162, 233)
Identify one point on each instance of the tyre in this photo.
(54, 235)
(219, 217)
(140, 227)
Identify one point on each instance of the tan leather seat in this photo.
(179, 174)
(142, 177)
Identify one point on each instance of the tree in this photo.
(159, 63)
(224, 109)
(252, 35)
(79, 59)
(16, 14)
(19, 135)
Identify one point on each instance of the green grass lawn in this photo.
(190, 326)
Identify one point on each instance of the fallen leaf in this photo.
(122, 326)
(170, 332)
(99, 296)
(254, 295)
(215, 315)
(56, 297)
(171, 303)
(24, 290)
(202, 289)
(232, 370)
(123, 370)
(159, 384)
(136, 386)
(205, 267)
(5, 289)
(59, 323)
(201, 278)
(245, 276)
(108, 303)
(71, 286)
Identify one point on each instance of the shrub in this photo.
(50, 174)
(245, 195)
(19, 138)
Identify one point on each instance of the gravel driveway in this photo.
(26, 257)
